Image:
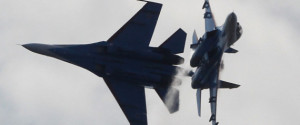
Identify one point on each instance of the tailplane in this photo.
(231, 50)
(228, 85)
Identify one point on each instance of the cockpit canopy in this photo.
(239, 31)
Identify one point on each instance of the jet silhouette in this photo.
(208, 56)
(127, 63)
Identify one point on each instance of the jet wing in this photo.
(170, 96)
(138, 31)
(131, 99)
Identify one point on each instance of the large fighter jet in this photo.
(127, 63)
(208, 56)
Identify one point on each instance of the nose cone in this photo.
(40, 48)
(68, 53)
(230, 23)
(232, 17)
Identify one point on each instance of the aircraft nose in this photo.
(39, 48)
(233, 16)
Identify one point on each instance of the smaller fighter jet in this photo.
(208, 56)
(128, 64)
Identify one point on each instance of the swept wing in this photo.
(138, 31)
(131, 99)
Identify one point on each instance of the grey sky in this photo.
(38, 90)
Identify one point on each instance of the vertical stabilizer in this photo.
(210, 23)
(213, 104)
(175, 43)
(195, 37)
(195, 41)
(199, 101)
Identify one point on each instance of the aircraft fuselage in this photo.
(208, 54)
(152, 67)
(208, 57)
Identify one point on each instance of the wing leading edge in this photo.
(138, 31)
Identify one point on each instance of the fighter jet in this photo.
(208, 56)
(127, 63)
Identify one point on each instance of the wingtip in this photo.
(149, 1)
(142, 0)
(181, 30)
(145, 1)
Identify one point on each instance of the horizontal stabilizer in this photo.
(228, 85)
(170, 97)
(175, 43)
(231, 50)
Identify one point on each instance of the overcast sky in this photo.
(38, 90)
